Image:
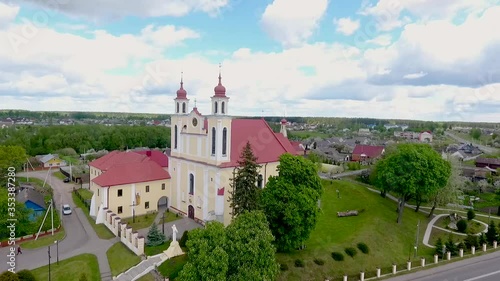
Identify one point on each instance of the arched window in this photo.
(183, 107)
(191, 184)
(260, 181)
(175, 137)
(215, 107)
(213, 140)
(177, 110)
(222, 108)
(224, 140)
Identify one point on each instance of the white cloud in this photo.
(292, 22)
(415, 75)
(72, 27)
(7, 14)
(346, 26)
(113, 9)
(382, 40)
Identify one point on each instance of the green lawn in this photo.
(171, 267)
(59, 175)
(120, 258)
(44, 240)
(100, 229)
(147, 277)
(151, 251)
(143, 221)
(376, 226)
(85, 193)
(70, 269)
(308, 134)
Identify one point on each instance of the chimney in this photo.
(148, 153)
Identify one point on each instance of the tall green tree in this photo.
(475, 133)
(207, 258)
(244, 195)
(412, 169)
(451, 192)
(11, 156)
(492, 233)
(290, 201)
(155, 237)
(250, 249)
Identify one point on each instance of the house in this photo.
(195, 179)
(492, 163)
(363, 153)
(33, 200)
(425, 136)
(51, 160)
(129, 183)
(364, 132)
(464, 152)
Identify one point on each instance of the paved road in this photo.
(80, 236)
(487, 149)
(483, 268)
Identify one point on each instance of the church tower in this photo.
(181, 101)
(283, 127)
(219, 99)
(181, 109)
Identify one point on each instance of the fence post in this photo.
(422, 262)
(378, 272)
(484, 247)
(408, 265)
(461, 252)
(436, 258)
(394, 269)
(362, 276)
(473, 250)
(448, 255)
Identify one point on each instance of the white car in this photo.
(66, 209)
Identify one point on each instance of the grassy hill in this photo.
(376, 226)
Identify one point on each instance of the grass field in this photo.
(44, 240)
(70, 269)
(308, 134)
(151, 251)
(143, 221)
(171, 268)
(147, 277)
(120, 258)
(376, 226)
(100, 229)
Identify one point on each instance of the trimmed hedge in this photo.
(337, 256)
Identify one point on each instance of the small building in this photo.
(425, 136)
(51, 160)
(492, 163)
(33, 200)
(369, 153)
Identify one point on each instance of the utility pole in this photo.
(416, 240)
(48, 252)
(133, 211)
(163, 223)
(52, 214)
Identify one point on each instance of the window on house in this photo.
(120, 192)
(162, 186)
(213, 141)
(146, 205)
(183, 107)
(224, 141)
(147, 188)
(260, 181)
(222, 107)
(215, 107)
(120, 209)
(191, 184)
(175, 136)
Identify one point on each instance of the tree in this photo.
(245, 192)
(412, 169)
(251, 253)
(492, 234)
(24, 225)
(451, 246)
(290, 201)
(207, 259)
(439, 247)
(9, 276)
(184, 239)
(471, 214)
(475, 133)
(26, 275)
(155, 237)
(451, 192)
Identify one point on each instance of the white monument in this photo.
(174, 249)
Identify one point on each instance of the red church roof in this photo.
(368, 150)
(115, 158)
(132, 173)
(267, 146)
(155, 155)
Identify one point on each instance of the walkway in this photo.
(143, 268)
(80, 236)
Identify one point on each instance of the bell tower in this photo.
(181, 101)
(219, 99)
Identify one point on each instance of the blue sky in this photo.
(398, 59)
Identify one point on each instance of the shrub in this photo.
(470, 214)
(350, 251)
(337, 256)
(83, 277)
(492, 234)
(471, 240)
(283, 267)
(363, 248)
(184, 239)
(26, 275)
(482, 239)
(439, 247)
(462, 226)
(450, 246)
(461, 245)
(319, 261)
(299, 263)
(9, 276)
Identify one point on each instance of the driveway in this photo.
(80, 236)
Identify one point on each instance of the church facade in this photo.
(205, 150)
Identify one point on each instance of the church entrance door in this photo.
(191, 212)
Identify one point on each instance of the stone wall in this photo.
(128, 236)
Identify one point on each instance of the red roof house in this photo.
(267, 145)
(365, 152)
(128, 173)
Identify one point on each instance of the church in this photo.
(205, 151)
(195, 179)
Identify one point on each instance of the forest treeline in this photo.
(38, 140)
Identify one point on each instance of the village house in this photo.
(491, 163)
(367, 153)
(50, 160)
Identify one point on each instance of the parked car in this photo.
(66, 209)
(66, 180)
